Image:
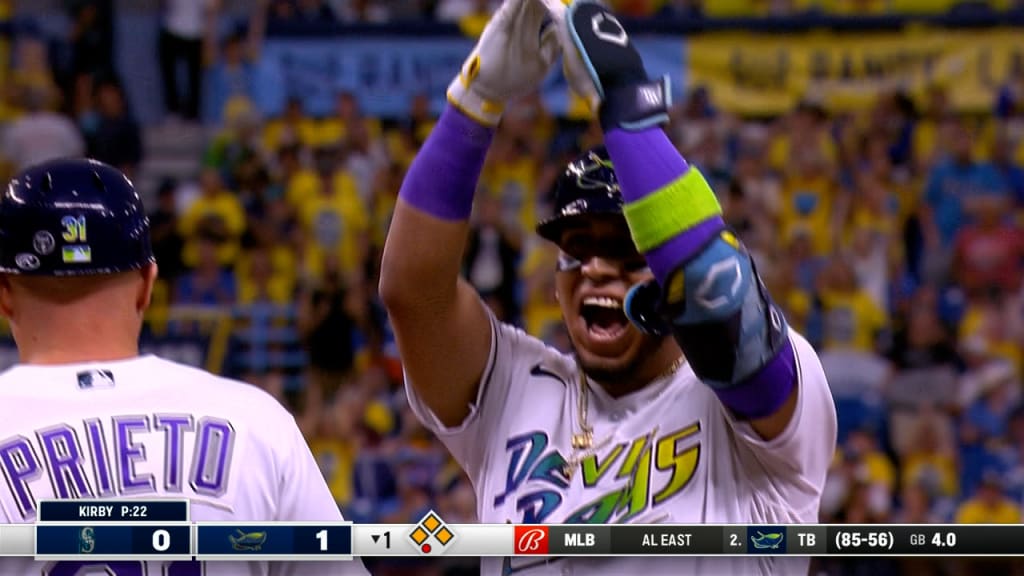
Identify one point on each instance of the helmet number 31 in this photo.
(74, 228)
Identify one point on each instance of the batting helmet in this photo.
(72, 217)
(586, 187)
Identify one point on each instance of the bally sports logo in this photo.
(531, 540)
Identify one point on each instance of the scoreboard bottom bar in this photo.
(433, 537)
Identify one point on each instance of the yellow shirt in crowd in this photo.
(807, 207)
(852, 321)
(223, 205)
(336, 459)
(976, 512)
(335, 225)
(515, 183)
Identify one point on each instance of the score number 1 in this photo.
(323, 540)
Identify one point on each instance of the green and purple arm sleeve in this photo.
(735, 338)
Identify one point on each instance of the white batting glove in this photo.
(511, 59)
(576, 73)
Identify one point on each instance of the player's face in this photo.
(598, 264)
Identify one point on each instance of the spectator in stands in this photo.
(989, 505)
(420, 121)
(332, 442)
(363, 156)
(1012, 457)
(870, 465)
(375, 480)
(334, 220)
(953, 184)
(492, 259)
(182, 25)
(1008, 160)
(292, 127)
(873, 236)
(207, 283)
(916, 507)
(810, 197)
(387, 182)
(31, 71)
(167, 241)
(216, 215)
(853, 321)
(92, 39)
(40, 134)
(931, 464)
(115, 137)
(229, 65)
(1010, 99)
(260, 282)
(989, 251)
(328, 320)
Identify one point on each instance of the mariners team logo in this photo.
(431, 534)
(86, 540)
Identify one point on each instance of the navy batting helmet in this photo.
(72, 217)
(586, 187)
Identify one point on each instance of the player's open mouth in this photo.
(604, 317)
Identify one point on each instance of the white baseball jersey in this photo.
(151, 428)
(669, 454)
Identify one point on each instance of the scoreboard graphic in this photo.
(162, 530)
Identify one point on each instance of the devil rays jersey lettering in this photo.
(669, 453)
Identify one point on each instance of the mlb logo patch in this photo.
(89, 379)
(77, 254)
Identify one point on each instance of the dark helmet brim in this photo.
(582, 209)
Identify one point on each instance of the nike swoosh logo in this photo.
(539, 370)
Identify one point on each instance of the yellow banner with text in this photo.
(768, 74)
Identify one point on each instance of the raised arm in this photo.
(441, 326)
(735, 338)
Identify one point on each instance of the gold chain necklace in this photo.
(583, 441)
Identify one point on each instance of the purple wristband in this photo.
(767, 390)
(442, 179)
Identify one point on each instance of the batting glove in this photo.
(511, 59)
(603, 66)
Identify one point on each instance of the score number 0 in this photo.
(161, 540)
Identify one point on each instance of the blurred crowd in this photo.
(892, 236)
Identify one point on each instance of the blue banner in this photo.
(387, 73)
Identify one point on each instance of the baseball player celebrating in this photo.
(714, 412)
(85, 416)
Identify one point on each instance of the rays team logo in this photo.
(621, 478)
(431, 534)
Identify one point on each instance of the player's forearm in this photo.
(427, 236)
(671, 210)
(732, 334)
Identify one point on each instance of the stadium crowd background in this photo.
(892, 236)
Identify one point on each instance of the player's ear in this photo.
(6, 305)
(145, 294)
